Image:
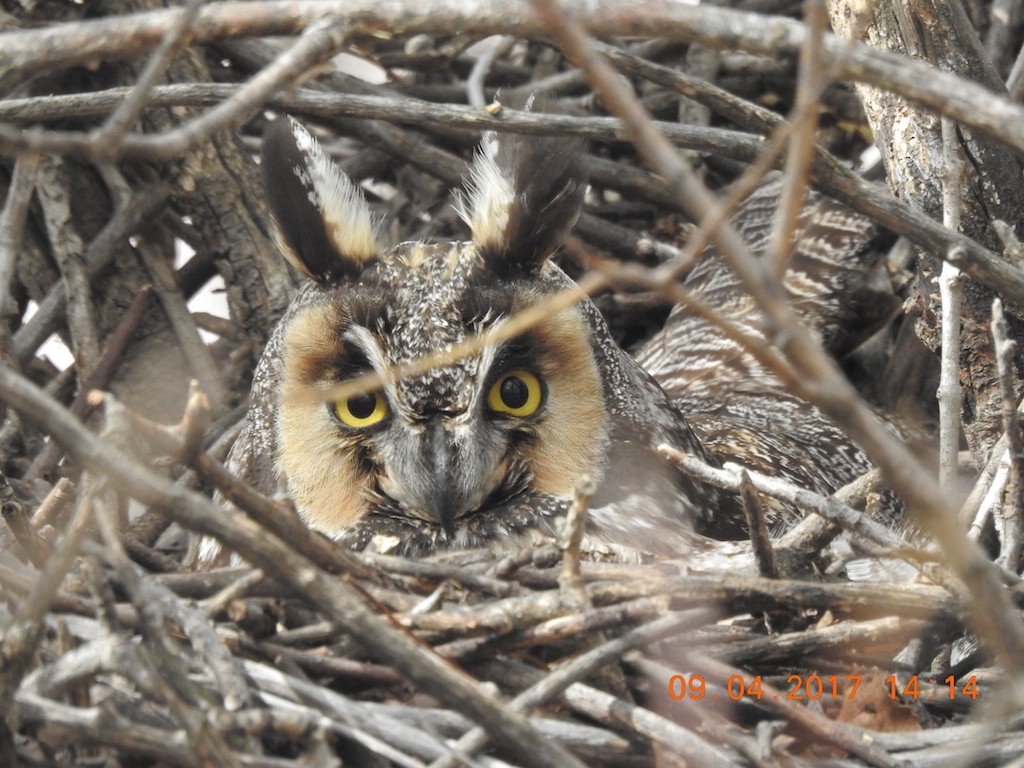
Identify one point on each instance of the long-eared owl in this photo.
(487, 449)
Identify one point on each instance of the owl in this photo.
(488, 447)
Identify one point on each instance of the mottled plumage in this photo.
(738, 408)
(488, 450)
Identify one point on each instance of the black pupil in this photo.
(514, 392)
(362, 406)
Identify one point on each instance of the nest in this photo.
(832, 642)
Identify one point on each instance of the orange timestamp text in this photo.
(816, 687)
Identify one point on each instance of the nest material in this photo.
(112, 653)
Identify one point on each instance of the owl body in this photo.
(487, 446)
(740, 411)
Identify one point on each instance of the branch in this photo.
(336, 598)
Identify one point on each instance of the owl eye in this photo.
(362, 410)
(517, 393)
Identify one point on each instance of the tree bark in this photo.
(909, 138)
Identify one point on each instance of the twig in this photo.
(12, 225)
(950, 394)
(167, 671)
(823, 728)
(337, 599)
(1009, 554)
(729, 478)
(1000, 624)
(497, 48)
(318, 43)
(198, 355)
(764, 555)
(811, 81)
(617, 713)
(572, 672)
(569, 578)
(830, 176)
(37, 549)
(127, 112)
(993, 495)
(54, 197)
(99, 377)
(98, 256)
(53, 506)
(18, 640)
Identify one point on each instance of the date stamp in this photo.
(816, 687)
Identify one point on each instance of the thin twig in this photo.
(198, 355)
(12, 226)
(98, 256)
(764, 555)
(575, 524)
(1012, 525)
(811, 80)
(127, 112)
(99, 377)
(999, 624)
(950, 394)
(336, 598)
(497, 48)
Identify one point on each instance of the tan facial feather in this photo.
(573, 432)
(314, 456)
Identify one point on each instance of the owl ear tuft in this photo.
(523, 198)
(321, 221)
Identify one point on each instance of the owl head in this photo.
(485, 446)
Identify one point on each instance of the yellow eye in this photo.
(362, 410)
(517, 393)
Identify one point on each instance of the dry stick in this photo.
(266, 513)
(836, 180)
(605, 708)
(499, 46)
(774, 700)
(330, 105)
(168, 672)
(319, 43)
(12, 227)
(98, 378)
(1009, 554)
(811, 80)
(384, 723)
(984, 505)
(814, 531)
(37, 548)
(730, 478)
(570, 673)
(53, 506)
(99, 255)
(197, 353)
(20, 638)
(336, 598)
(819, 640)
(54, 196)
(764, 555)
(950, 393)
(153, 599)
(63, 45)
(569, 579)
(128, 111)
(995, 618)
(830, 176)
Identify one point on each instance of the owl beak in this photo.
(445, 472)
(445, 498)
